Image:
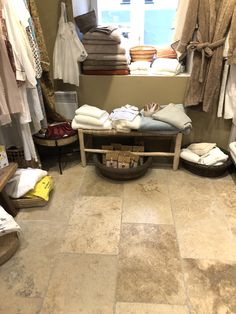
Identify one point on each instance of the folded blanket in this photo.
(106, 126)
(114, 36)
(99, 42)
(105, 49)
(213, 157)
(105, 62)
(91, 120)
(162, 66)
(175, 115)
(105, 67)
(127, 126)
(201, 148)
(90, 111)
(7, 223)
(99, 56)
(188, 155)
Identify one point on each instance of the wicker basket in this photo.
(208, 171)
(15, 154)
(122, 174)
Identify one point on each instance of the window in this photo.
(143, 22)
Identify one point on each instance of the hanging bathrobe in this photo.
(211, 20)
(68, 51)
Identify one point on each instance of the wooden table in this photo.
(5, 175)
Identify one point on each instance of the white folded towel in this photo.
(90, 111)
(201, 148)
(106, 126)
(213, 157)
(127, 126)
(80, 118)
(188, 155)
(7, 223)
(165, 66)
(139, 65)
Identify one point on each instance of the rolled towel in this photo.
(201, 148)
(188, 155)
(214, 156)
(164, 66)
(90, 111)
(139, 65)
(90, 120)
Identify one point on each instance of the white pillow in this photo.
(23, 181)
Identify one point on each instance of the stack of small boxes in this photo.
(122, 156)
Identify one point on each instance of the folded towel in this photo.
(114, 36)
(105, 49)
(105, 67)
(98, 42)
(162, 66)
(99, 56)
(90, 120)
(140, 72)
(175, 115)
(139, 65)
(105, 62)
(106, 72)
(213, 157)
(201, 148)
(106, 126)
(103, 29)
(127, 126)
(7, 223)
(90, 111)
(188, 155)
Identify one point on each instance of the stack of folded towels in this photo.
(125, 118)
(90, 117)
(204, 153)
(106, 54)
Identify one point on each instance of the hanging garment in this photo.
(230, 95)
(213, 19)
(179, 19)
(68, 51)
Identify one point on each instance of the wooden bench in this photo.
(175, 154)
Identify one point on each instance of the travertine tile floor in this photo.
(162, 244)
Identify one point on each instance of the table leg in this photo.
(81, 144)
(59, 156)
(178, 142)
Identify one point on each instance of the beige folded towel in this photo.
(109, 49)
(99, 56)
(115, 36)
(201, 148)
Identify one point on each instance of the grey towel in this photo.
(99, 56)
(99, 42)
(114, 36)
(105, 67)
(109, 49)
(104, 62)
(103, 29)
(174, 115)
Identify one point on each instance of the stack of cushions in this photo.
(90, 117)
(106, 55)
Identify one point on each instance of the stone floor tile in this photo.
(147, 202)
(20, 305)
(96, 185)
(94, 226)
(211, 286)
(82, 284)
(149, 268)
(145, 308)
(202, 230)
(27, 273)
